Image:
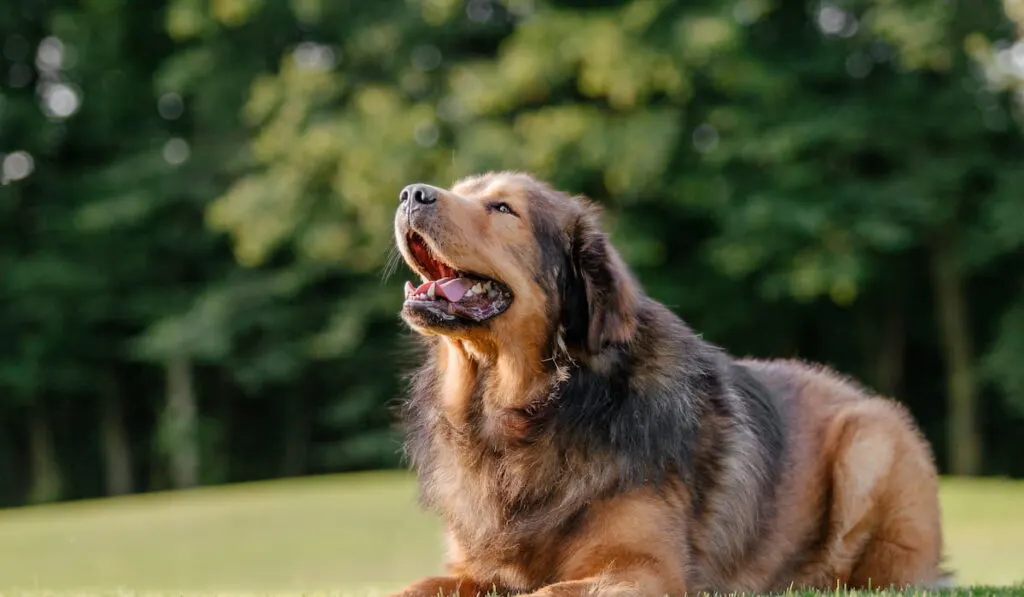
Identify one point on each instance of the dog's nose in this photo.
(420, 193)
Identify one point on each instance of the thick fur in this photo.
(588, 442)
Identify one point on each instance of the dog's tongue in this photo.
(452, 289)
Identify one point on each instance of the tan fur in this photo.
(856, 501)
(864, 453)
(623, 549)
(468, 236)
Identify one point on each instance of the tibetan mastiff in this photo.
(578, 438)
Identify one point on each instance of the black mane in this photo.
(641, 411)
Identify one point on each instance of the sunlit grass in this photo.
(344, 535)
(983, 521)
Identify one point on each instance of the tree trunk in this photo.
(295, 444)
(225, 412)
(892, 352)
(12, 490)
(964, 445)
(181, 426)
(116, 451)
(46, 483)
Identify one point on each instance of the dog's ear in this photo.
(601, 295)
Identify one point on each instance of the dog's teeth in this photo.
(476, 288)
(487, 286)
(491, 293)
(432, 291)
(469, 293)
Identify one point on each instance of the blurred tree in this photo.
(130, 199)
(910, 155)
(345, 121)
(818, 150)
(37, 278)
(1001, 55)
(196, 201)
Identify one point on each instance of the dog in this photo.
(578, 438)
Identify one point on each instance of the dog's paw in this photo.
(444, 586)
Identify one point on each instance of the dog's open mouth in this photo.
(449, 293)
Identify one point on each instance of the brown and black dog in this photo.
(578, 438)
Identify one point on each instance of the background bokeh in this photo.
(196, 201)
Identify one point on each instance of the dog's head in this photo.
(506, 260)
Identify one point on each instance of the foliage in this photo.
(196, 203)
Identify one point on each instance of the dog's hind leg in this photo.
(885, 517)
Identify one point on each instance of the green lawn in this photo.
(355, 534)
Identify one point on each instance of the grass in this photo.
(346, 535)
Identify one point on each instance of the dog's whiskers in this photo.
(391, 264)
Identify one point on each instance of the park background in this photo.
(198, 286)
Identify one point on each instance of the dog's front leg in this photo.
(629, 582)
(446, 586)
(633, 545)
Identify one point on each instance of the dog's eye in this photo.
(501, 207)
